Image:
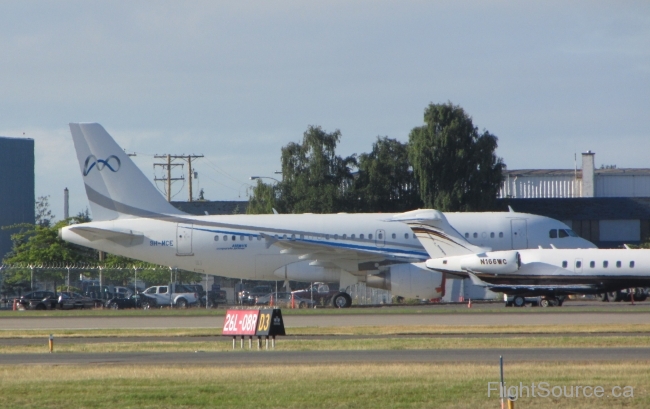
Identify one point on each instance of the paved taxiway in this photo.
(277, 357)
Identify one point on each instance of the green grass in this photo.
(337, 386)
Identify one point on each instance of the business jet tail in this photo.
(115, 187)
(437, 236)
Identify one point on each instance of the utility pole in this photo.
(169, 166)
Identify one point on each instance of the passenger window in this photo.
(259, 237)
(500, 235)
(302, 237)
(380, 236)
(563, 233)
(552, 233)
(370, 237)
(241, 238)
(475, 235)
(234, 238)
(361, 236)
(352, 236)
(327, 237)
(414, 236)
(618, 264)
(216, 238)
(345, 236)
(578, 264)
(631, 264)
(564, 264)
(336, 237)
(406, 235)
(492, 235)
(592, 264)
(605, 264)
(250, 238)
(394, 235)
(467, 235)
(225, 238)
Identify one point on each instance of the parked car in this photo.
(53, 302)
(248, 297)
(135, 301)
(283, 299)
(321, 293)
(80, 301)
(178, 295)
(25, 299)
(213, 299)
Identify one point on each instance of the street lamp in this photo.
(264, 177)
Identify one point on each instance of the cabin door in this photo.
(183, 240)
(519, 234)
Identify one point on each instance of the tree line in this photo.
(447, 164)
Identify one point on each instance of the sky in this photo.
(236, 81)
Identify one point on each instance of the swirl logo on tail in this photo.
(100, 164)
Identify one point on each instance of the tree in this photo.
(456, 166)
(314, 178)
(44, 216)
(385, 182)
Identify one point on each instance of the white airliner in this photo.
(528, 272)
(132, 219)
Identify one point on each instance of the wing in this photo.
(352, 256)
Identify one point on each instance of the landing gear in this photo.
(551, 301)
(519, 301)
(342, 300)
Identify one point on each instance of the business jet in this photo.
(132, 219)
(547, 272)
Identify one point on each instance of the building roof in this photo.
(574, 173)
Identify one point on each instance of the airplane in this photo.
(547, 272)
(132, 219)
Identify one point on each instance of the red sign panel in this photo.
(240, 322)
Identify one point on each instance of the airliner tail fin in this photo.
(115, 186)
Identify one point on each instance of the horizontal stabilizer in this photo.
(120, 236)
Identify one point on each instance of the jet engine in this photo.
(409, 281)
(495, 262)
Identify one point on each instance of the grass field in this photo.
(313, 386)
(445, 385)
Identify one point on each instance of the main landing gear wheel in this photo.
(342, 300)
(603, 297)
(545, 303)
(519, 301)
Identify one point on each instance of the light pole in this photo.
(264, 177)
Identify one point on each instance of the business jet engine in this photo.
(491, 262)
(409, 281)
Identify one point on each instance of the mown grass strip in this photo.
(292, 344)
(338, 386)
(348, 330)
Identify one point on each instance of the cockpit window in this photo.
(552, 233)
(563, 233)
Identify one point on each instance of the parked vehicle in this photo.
(135, 301)
(25, 299)
(79, 301)
(283, 299)
(213, 299)
(176, 295)
(249, 297)
(321, 293)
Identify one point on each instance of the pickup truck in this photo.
(174, 295)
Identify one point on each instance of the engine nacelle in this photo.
(303, 271)
(495, 262)
(410, 281)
